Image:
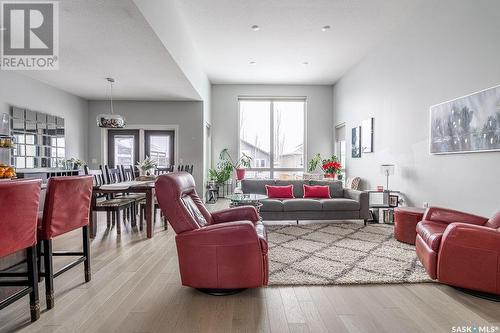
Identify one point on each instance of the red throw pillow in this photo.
(316, 191)
(280, 192)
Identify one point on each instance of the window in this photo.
(272, 133)
(124, 149)
(340, 145)
(160, 147)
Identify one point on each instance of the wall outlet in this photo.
(426, 205)
(181, 160)
(94, 161)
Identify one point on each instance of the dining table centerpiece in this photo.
(146, 168)
(331, 167)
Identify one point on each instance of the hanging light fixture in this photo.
(110, 120)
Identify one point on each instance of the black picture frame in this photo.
(393, 201)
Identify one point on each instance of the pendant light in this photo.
(110, 120)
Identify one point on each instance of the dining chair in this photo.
(186, 168)
(61, 216)
(128, 172)
(163, 170)
(104, 203)
(18, 226)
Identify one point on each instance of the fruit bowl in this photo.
(7, 172)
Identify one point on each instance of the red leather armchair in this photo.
(460, 249)
(223, 250)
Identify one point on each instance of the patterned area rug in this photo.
(340, 253)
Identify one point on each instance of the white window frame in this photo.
(271, 169)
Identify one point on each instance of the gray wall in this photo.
(319, 132)
(187, 115)
(450, 49)
(19, 90)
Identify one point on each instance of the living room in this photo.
(277, 166)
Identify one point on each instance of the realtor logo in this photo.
(30, 35)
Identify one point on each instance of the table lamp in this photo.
(387, 170)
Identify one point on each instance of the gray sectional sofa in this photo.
(345, 204)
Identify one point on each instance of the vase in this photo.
(240, 174)
(330, 175)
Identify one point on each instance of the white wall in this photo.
(319, 121)
(186, 115)
(19, 90)
(451, 48)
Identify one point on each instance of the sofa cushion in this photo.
(271, 205)
(283, 192)
(339, 204)
(298, 192)
(292, 205)
(336, 190)
(316, 191)
(255, 186)
(431, 233)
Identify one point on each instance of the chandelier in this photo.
(110, 120)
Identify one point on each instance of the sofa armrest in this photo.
(470, 235)
(362, 198)
(247, 213)
(448, 216)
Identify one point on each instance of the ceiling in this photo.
(290, 34)
(111, 38)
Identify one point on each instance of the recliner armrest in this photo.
(230, 233)
(247, 213)
(471, 235)
(448, 216)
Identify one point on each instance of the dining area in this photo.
(75, 209)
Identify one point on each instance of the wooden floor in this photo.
(136, 288)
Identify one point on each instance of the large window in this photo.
(272, 133)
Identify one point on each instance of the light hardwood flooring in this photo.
(136, 287)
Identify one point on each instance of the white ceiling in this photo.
(290, 34)
(99, 39)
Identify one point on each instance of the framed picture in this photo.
(356, 142)
(367, 136)
(467, 124)
(393, 200)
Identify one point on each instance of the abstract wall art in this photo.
(467, 124)
(356, 142)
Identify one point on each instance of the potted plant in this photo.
(312, 165)
(243, 162)
(331, 167)
(73, 163)
(146, 167)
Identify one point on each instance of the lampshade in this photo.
(110, 120)
(387, 169)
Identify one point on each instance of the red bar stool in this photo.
(67, 207)
(18, 219)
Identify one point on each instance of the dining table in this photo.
(146, 187)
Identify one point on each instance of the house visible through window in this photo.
(272, 133)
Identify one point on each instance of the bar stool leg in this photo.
(49, 273)
(86, 253)
(33, 282)
(108, 219)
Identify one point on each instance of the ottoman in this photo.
(405, 223)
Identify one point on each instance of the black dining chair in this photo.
(113, 206)
(186, 168)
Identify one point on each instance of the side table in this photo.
(405, 223)
(246, 199)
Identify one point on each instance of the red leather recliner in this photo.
(221, 250)
(460, 249)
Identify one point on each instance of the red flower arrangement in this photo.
(331, 166)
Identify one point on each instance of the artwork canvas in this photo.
(356, 142)
(466, 124)
(367, 136)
